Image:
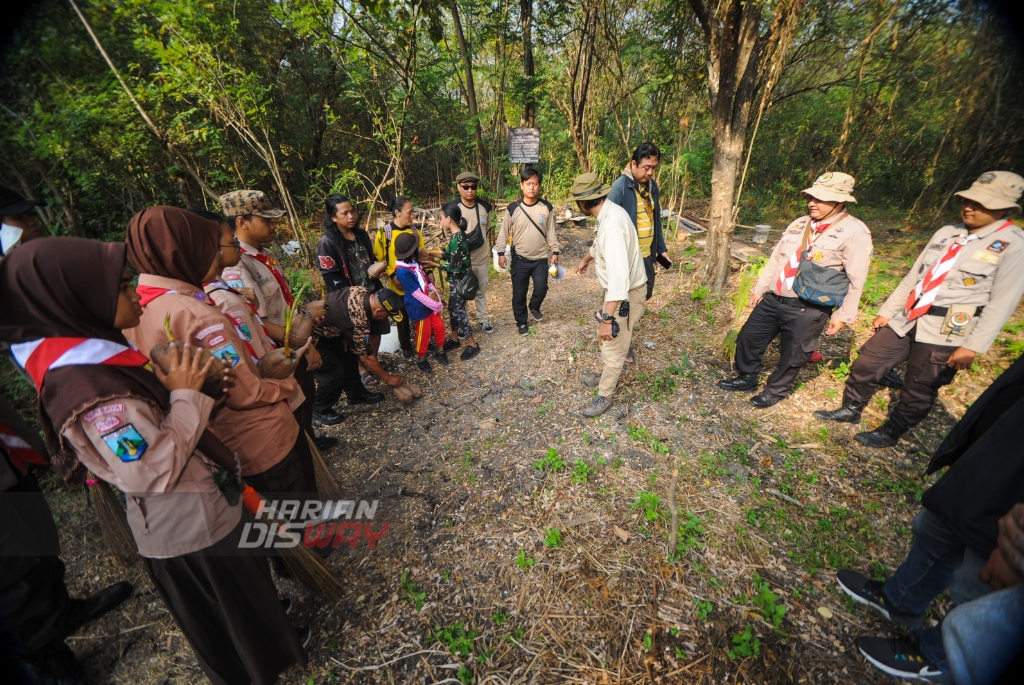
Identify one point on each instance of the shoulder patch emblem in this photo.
(326, 262)
(998, 246)
(126, 443)
(98, 413)
(227, 354)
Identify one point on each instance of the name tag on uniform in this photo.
(126, 443)
(998, 246)
(986, 256)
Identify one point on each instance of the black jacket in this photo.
(624, 195)
(986, 475)
(336, 270)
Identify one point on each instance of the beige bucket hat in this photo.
(995, 190)
(589, 187)
(832, 186)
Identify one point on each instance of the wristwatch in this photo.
(603, 317)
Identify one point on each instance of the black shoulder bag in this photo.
(475, 239)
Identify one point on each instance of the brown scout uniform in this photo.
(256, 418)
(845, 245)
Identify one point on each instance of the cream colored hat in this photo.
(832, 186)
(995, 190)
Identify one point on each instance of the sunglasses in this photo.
(468, 186)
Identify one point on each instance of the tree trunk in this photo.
(529, 107)
(727, 153)
(481, 159)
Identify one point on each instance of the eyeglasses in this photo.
(468, 187)
(234, 243)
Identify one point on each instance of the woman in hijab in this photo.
(175, 252)
(101, 409)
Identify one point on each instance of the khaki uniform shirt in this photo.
(989, 272)
(255, 419)
(845, 245)
(517, 230)
(249, 328)
(174, 506)
(481, 255)
(270, 302)
(616, 252)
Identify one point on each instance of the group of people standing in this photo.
(181, 440)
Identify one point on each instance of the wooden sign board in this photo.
(523, 145)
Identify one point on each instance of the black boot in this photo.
(848, 413)
(82, 611)
(765, 399)
(886, 435)
(744, 381)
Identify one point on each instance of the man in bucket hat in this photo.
(813, 278)
(619, 267)
(947, 310)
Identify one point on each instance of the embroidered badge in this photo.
(987, 177)
(126, 443)
(227, 354)
(969, 281)
(200, 296)
(818, 256)
(209, 329)
(986, 256)
(108, 424)
(99, 412)
(216, 340)
(998, 246)
(244, 330)
(542, 217)
(237, 285)
(326, 262)
(825, 177)
(960, 319)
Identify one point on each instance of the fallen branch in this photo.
(673, 508)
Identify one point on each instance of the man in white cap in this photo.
(813, 278)
(620, 270)
(948, 309)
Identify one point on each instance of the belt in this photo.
(942, 311)
(797, 302)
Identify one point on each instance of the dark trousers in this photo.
(339, 373)
(523, 270)
(649, 268)
(926, 373)
(800, 326)
(404, 333)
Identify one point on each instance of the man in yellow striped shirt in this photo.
(636, 191)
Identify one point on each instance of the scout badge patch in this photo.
(957, 320)
(227, 354)
(986, 256)
(998, 246)
(126, 443)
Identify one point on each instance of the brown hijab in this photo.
(173, 243)
(68, 288)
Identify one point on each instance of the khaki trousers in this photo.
(613, 352)
(482, 275)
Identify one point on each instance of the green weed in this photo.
(456, 637)
(581, 471)
(552, 538)
(745, 645)
(650, 504)
(550, 462)
(411, 592)
(524, 562)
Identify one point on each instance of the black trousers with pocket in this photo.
(800, 325)
(522, 272)
(339, 373)
(926, 373)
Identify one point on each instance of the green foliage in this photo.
(745, 645)
(650, 504)
(648, 641)
(581, 471)
(524, 562)
(703, 608)
(552, 538)
(500, 617)
(772, 608)
(691, 530)
(411, 592)
(550, 462)
(456, 637)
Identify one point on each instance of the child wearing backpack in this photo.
(458, 265)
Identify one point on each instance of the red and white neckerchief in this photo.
(20, 452)
(271, 264)
(39, 356)
(923, 294)
(791, 267)
(151, 292)
(220, 285)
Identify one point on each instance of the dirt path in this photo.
(528, 544)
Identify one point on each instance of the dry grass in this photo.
(473, 582)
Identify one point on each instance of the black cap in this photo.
(392, 302)
(12, 204)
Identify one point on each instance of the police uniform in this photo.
(841, 242)
(959, 293)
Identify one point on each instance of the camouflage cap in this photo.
(995, 190)
(240, 202)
